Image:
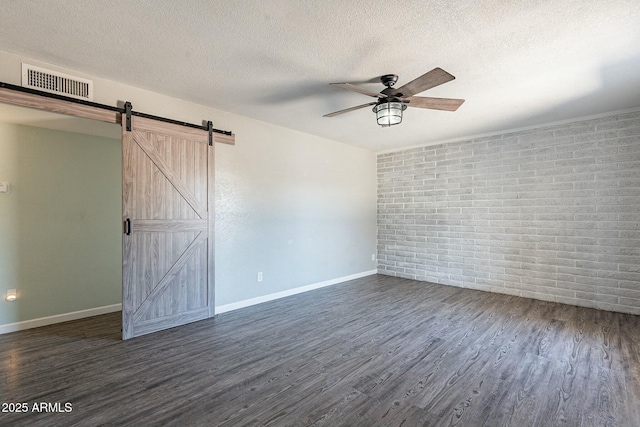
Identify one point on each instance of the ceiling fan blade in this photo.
(446, 104)
(433, 78)
(349, 109)
(354, 88)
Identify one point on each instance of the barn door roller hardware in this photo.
(208, 126)
(210, 129)
(127, 113)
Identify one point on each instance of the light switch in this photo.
(4, 187)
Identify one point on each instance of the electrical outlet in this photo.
(259, 276)
(373, 257)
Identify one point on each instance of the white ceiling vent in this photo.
(51, 81)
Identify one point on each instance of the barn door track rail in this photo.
(215, 135)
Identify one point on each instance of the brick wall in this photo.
(551, 213)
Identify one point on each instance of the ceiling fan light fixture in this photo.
(389, 112)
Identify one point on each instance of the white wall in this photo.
(299, 208)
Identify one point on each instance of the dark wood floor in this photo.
(378, 351)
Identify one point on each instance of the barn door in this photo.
(168, 221)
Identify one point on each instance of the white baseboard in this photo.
(65, 317)
(289, 292)
(58, 318)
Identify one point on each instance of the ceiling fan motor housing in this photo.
(389, 79)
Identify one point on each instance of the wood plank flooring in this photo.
(377, 351)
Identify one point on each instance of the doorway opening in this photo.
(60, 220)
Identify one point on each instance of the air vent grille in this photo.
(54, 82)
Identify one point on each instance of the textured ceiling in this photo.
(517, 63)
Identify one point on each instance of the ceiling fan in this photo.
(392, 102)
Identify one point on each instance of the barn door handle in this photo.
(127, 226)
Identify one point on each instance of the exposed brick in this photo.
(549, 213)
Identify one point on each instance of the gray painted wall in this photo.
(298, 209)
(60, 233)
(551, 213)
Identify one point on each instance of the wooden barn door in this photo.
(168, 258)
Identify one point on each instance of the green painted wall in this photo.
(60, 232)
